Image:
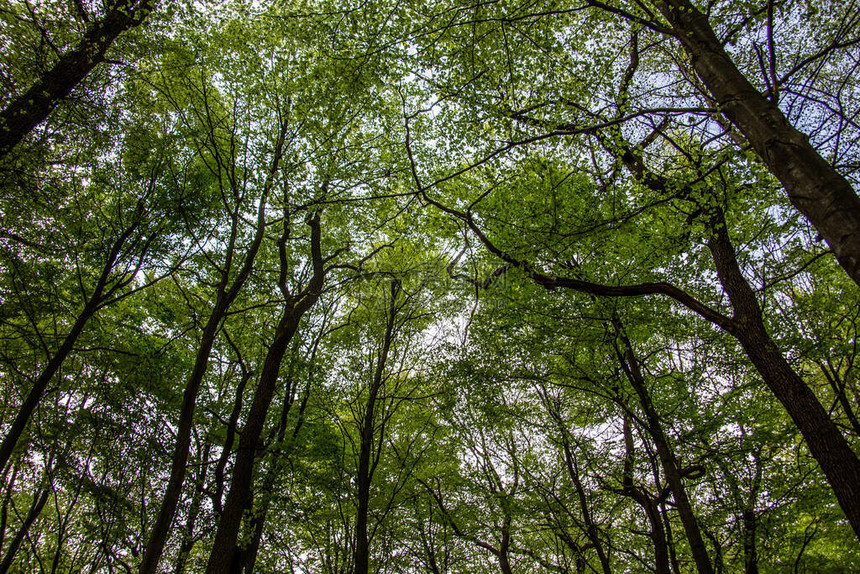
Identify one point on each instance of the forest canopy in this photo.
(449, 287)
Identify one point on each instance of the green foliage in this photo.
(459, 158)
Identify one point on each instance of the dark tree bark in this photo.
(814, 187)
(750, 522)
(367, 431)
(825, 441)
(248, 557)
(217, 494)
(105, 287)
(225, 556)
(7, 500)
(670, 540)
(187, 541)
(32, 107)
(227, 292)
(668, 461)
(161, 527)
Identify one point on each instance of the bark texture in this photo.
(826, 442)
(32, 107)
(814, 187)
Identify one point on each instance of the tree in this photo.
(30, 108)
(429, 287)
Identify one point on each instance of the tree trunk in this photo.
(32, 107)
(187, 541)
(35, 509)
(368, 426)
(224, 551)
(258, 522)
(362, 551)
(572, 468)
(41, 384)
(670, 540)
(828, 446)
(826, 443)
(814, 187)
(504, 549)
(750, 553)
(224, 299)
(179, 460)
(668, 461)
(658, 537)
(225, 556)
(91, 306)
(649, 504)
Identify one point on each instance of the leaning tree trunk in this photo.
(826, 442)
(35, 510)
(814, 187)
(248, 554)
(668, 460)
(103, 289)
(32, 107)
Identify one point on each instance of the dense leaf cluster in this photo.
(350, 287)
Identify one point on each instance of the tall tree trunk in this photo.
(572, 467)
(828, 446)
(19, 423)
(258, 521)
(658, 536)
(91, 306)
(670, 540)
(363, 477)
(505, 545)
(367, 430)
(226, 294)
(225, 556)
(649, 503)
(178, 467)
(749, 530)
(32, 107)
(826, 443)
(814, 187)
(187, 542)
(590, 527)
(668, 460)
(7, 500)
(34, 512)
(217, 493)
